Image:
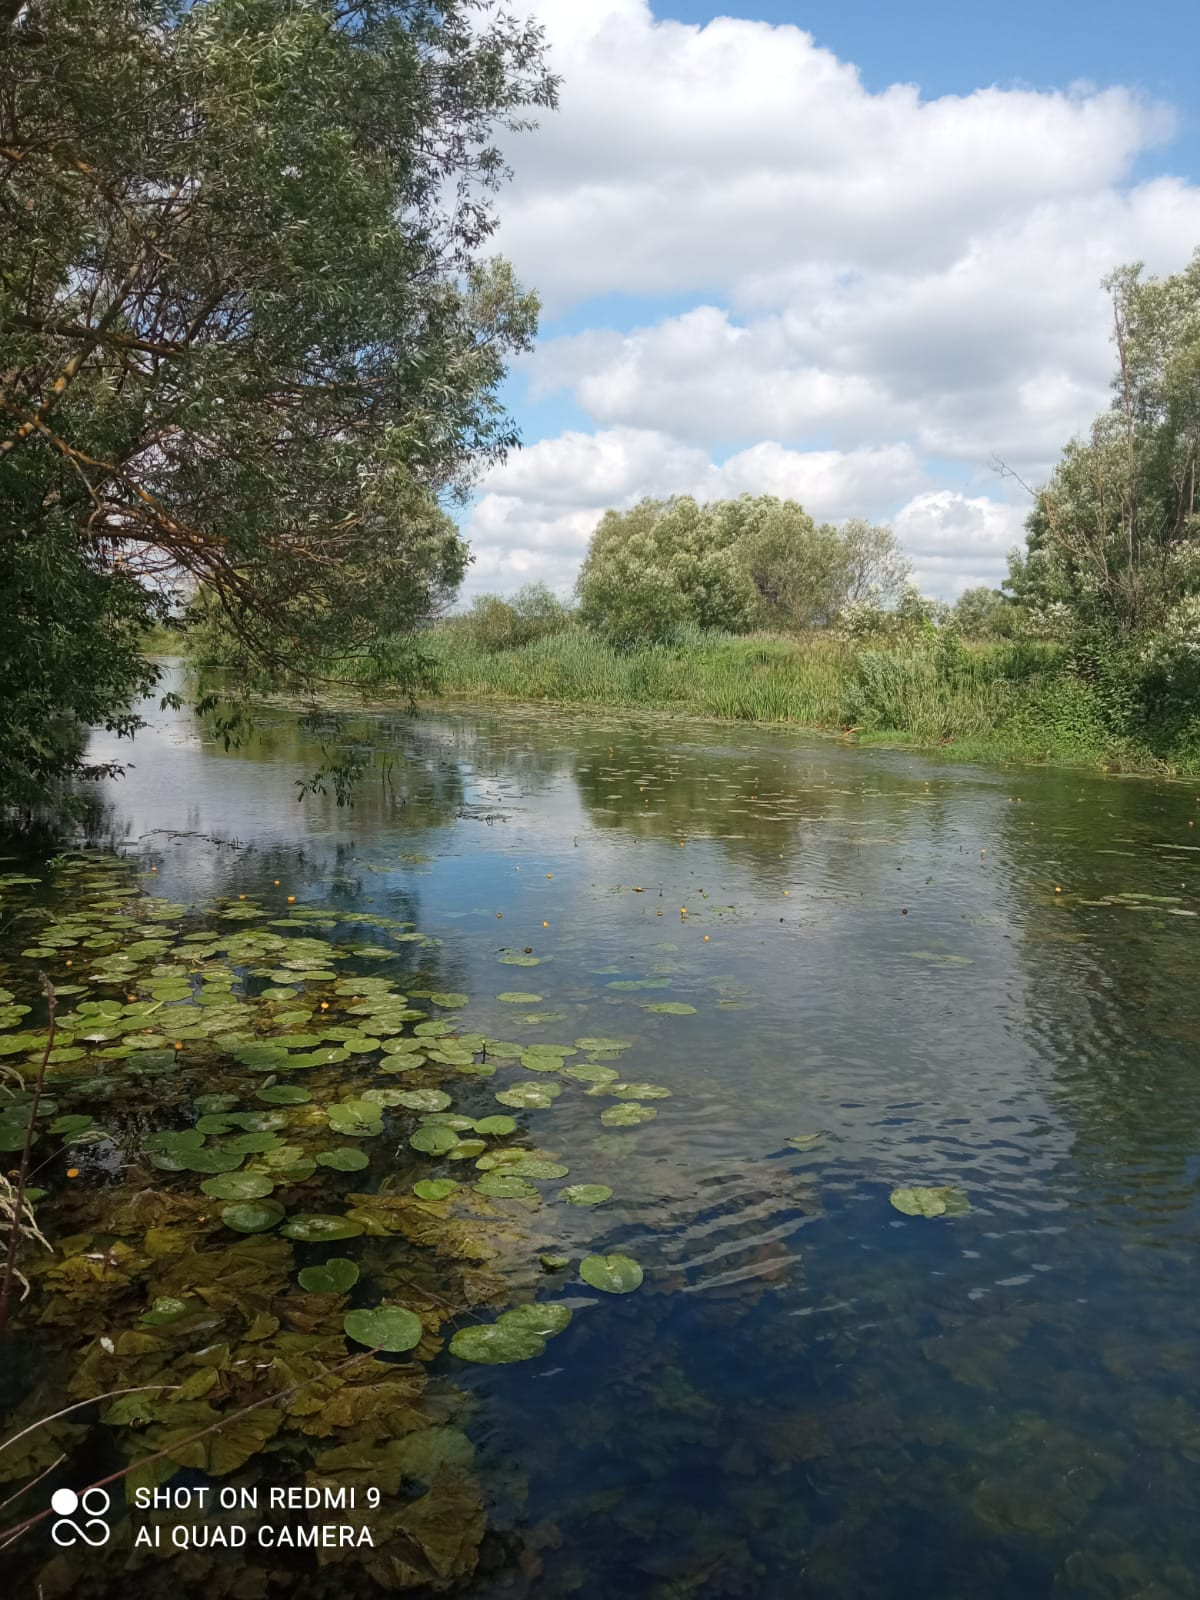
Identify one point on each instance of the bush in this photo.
(493, 624)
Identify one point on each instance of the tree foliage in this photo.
(753, 562)
(1113, 541)
(493, 623)
(249, 343)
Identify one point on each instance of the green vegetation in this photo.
(249, 342)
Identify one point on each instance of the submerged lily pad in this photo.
(343, 1159)
(615, 1274)
(533, 1167)
(315, 1228)
(920, 1201)
(252, 1216)
(585, 1194)
(238, 1186)
(518, 997)
(627, 1115)
(389, 1328)
(334, 1276)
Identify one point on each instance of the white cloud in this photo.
(880, 283)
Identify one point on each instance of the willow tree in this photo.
(250, 338)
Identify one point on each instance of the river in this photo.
(880, 972)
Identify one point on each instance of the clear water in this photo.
(922, 962)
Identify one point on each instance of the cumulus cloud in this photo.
(880, 284)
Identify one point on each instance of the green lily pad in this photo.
(500, 1186)
(530, 1096)
(389, 1328)
(71, 1125)
(613, 1274)
(442, 997)
(283, 1094)
(544, 1320)
(639, 1091)
(432, 1139)
(528, 1167)
(344, 1159)
(496, 1127)
(554, 1263)
(496, 1344)
(315, 1228)
(423, 1099)
(585, 1194)
(238, 1186)
(591, 1072)
(671, 1008)
(592, 1046)
(334, 1276)
(518, 997)
(252, 1216)
(435, 1188)
(926, 1202)
(520, 961)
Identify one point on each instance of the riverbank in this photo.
(995, 701)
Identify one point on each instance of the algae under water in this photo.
(828, 1231)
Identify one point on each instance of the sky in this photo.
(841, 253)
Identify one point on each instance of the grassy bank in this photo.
(1001, 700)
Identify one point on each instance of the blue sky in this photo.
(766, 268)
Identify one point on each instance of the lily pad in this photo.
(344, 1159)
(496, 1127)
(435, 1188)
(627, 1115)
(315, 1228)
(544, 1320)
(594, 1045)
(518, 997)
(389, 1328)
(920, 1201)
(283, 1094)
(432, 1139)
(334, 1276)
(252, 1216)
(530, 1096)
(500, 1186)
(671, 1008)
(529, 1167)
(497, 1344)
(585, 1194)
(615, 1274)
(238, 1186)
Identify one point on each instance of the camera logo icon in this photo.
(94, 1504)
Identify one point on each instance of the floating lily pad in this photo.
(343, 1160)
(423, 1099)
(496, 1344)
(435, 1188)
(554, 1263)
(449, 1000)
(433, 1140)
(671, 1008)
(613, 1274)
(591, 1072)
(585, 1194)
(252, 1216)
(530, 1096)
(518, 997)
(639, 1091)
(384, 1328)
(501, 1186)
(496, 1127)
(533, 1167)
(593, 1046)
(919, 1201)
(334, 1276)
(315, 1228)
(544, 1320)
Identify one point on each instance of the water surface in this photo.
(953, 975)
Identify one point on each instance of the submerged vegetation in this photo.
(214, 1080)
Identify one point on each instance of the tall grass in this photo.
(1004, 699)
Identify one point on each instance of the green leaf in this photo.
(344, 1159)
(585, 1194)
(252, 1216)
(496, 1344)
(238, 1186)
(613, 1274)
(384, 1328)
(315, 1228)
(334, 1276)
(435, 1188)
(926, 1202)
